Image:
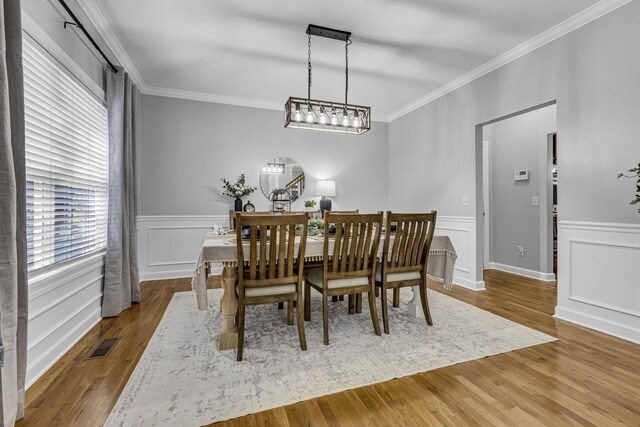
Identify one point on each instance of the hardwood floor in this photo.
(585, 378)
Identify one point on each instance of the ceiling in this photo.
(254, 52)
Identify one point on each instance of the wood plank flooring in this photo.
(587, 378)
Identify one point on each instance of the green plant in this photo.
(274, 195)
(317, 223)
(309, 203)
(635, 173)
(238, 189)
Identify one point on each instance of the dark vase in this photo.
(238, 206)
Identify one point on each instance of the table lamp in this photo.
(325, 189)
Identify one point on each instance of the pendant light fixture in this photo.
(307, 113)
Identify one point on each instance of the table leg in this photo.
(229, 308)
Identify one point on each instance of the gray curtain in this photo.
(121, 285)
(13, 216)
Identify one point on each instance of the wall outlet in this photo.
(535, 201)
(465, 200)
(520, 250)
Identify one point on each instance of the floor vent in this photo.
(103, 349)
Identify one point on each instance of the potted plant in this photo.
(237, 190)
(635, 173)
(315, 226)
(310, 205)
(279, 194)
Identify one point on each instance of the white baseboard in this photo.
(469, 284)
(598, 277)
(538, 275)
(599, 324)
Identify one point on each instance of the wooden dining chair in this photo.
(274, 271)
(232, 217)
(405, 262)
(349, 267)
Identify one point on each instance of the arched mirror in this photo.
(282, 178)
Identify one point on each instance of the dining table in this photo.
(222, 249)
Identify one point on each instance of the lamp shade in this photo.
(326, 188)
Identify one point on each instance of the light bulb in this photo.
(345, 119)
(310, 117)
(356, 120)
(334, 118)
(323, 116)
(298, 116)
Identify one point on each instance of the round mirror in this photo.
(282, 178)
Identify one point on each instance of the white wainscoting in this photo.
(168, 246)
(63, 306)
(598, 281)
(538, 275)
(462, 232)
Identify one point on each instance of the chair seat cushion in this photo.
(268, 290)
(314, 277)
(396, 277)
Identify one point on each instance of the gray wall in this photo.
(593, 73)
(187, 146)
(50, 17)
(517, 143)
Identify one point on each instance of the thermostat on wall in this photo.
(521, 175)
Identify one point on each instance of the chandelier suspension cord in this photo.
(309, 63)
(346, 70)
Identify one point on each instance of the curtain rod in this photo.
(79, 25)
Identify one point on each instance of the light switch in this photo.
(535, 201)
(465, 200)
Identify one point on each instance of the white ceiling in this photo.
(255, 52)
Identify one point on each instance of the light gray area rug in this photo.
(182, 378)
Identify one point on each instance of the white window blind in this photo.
(66, 162)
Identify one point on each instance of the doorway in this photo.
(518, 210)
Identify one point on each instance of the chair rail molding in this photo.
(598, 283)
(168, 245)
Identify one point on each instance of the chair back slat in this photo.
(271, 248)
(355, 244)
(411, 243)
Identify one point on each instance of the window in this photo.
(67, 164)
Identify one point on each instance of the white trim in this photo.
(168, 274)
(469, 284)
(467, 219)
(538, 275)
(599, 226)
(576, 21)
(65, 297)
(98, 20)
(210, 97)
(40, 37)
(599, 324)
(64, 275)
(141, 218)
(80, 333)
(573, 23)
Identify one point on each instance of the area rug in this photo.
(182, 378)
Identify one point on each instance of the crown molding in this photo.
(210, 97)
(573, 23)
(102, 26)
(589, 14)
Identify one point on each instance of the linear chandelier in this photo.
(313, 114)
(273, 168)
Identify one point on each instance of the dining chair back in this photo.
(232, 217)
(404, 262)
(270, 267)
(349, 263)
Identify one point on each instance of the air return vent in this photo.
(104, 348)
